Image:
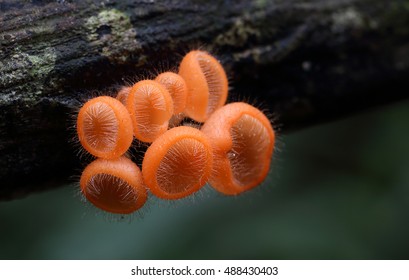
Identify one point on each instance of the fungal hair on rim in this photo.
(102, 182)
(93, 210)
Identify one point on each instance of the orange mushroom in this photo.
(178, 163)
(177, 89)
(104, 127)
(150, 106)
(242, 139)
(115, 186)
(206, 82)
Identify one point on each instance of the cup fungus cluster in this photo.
(231, 151)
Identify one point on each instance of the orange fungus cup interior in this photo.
(150, 106)
(104, 127)
(242, 139)
(206, 82)
(178, 163)
(115, 186)
(177, 89)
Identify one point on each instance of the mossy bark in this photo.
(306, 61)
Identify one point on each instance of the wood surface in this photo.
(304, 61)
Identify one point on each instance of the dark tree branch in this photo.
(307, 61)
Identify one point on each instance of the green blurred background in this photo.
(336, 191)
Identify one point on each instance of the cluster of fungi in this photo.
(231, 149)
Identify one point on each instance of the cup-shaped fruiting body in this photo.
(177, 89)
(178, 163)
(206, 82)
(242, 139)
(150, 106)
(104, 127)
(115, 185)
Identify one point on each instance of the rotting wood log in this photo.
(306, 61)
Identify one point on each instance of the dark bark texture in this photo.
(305, 60)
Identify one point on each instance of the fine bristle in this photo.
(110, 190)
(183, 166)
(100, 127)
(214, 83)
(153, 97)
(151, 112)
(250, 142)
(177, 89)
